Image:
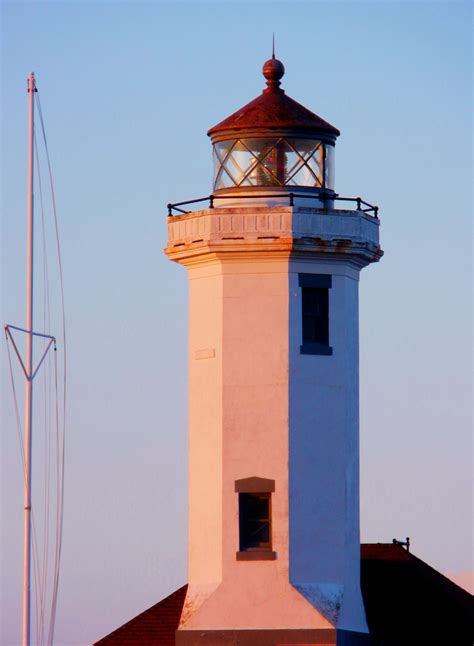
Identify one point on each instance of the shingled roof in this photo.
(406, 601)
(274, 110)
(156, 626)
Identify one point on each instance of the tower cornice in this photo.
(273, 232)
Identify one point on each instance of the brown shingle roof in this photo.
(156, 626)
(407, 603)
(273, 109)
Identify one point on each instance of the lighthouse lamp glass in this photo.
(282, 161)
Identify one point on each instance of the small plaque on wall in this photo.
(205, 353)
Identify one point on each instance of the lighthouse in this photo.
(273, 262)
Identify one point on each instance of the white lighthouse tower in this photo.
(274, 266)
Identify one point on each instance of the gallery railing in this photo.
(362, 205)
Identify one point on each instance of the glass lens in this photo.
(222, 148)
(217, 165)
(273, 162)
(259, 147)
(223, 180)
(315, 163)
(308, 172)
(255, 174)
(304, 177)
(329, 167)
(239, 162)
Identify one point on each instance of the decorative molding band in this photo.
(278, 229)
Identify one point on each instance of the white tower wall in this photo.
(260, 408)
(205, 427)
(238, 348)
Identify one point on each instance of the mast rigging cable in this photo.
(48, 557)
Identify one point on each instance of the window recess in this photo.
(315, 313)
(255, 519)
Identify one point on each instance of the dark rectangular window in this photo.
(315, 313)
(255, 522)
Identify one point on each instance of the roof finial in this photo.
(273, 70)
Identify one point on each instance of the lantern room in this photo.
(275, 144)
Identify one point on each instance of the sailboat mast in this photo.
(29, 375)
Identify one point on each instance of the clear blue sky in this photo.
(129, 90)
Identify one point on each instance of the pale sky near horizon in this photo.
(128, 91)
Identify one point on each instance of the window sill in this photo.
(316, 348)
(256, 555)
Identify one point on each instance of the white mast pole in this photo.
(29, 376)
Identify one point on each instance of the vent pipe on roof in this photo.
(403, 543)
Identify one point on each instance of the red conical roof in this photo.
(273, 109)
